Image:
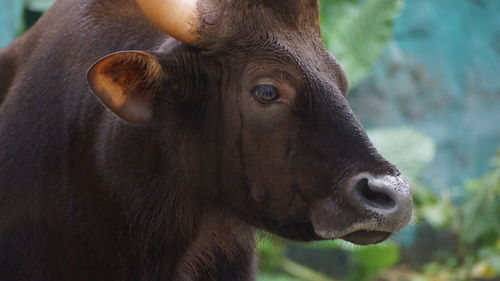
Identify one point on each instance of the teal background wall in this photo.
(10, 20)
(441, 74)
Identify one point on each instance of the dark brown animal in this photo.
(191, 148)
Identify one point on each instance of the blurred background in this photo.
(425, 82)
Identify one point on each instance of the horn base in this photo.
(178, 18)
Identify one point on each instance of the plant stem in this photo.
(303, 272)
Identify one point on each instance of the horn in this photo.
(178, 18)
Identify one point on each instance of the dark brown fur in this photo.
(86, 196)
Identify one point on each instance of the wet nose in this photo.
(387, 196)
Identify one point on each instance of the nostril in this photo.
(375, 196)
(381, 202)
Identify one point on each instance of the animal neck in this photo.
(163, 205)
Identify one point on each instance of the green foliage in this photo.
(276, 277)
(278, 267)
(375, 259)
(302, 272)
(481, 211)
(356, 32)
(271, 252)
(475, 223)
(38, 5)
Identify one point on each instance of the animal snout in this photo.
(370, 210)
(387, 196)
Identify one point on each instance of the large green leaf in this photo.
(356, 32)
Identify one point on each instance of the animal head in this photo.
(257, 108)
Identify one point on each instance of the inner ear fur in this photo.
(127, 83)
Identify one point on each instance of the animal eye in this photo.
(265, 93)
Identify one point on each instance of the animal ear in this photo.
(127, 83)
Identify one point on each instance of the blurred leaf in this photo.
(376, 258)
(422, 195)
(410, 150)
(271, 250)
(480, 211)
(356, 32)
(441, 213)
(483, 269)
(39, 5)
(492, 256)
